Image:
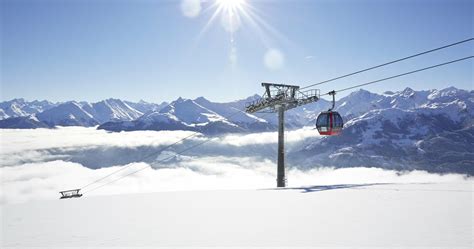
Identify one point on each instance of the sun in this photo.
(231, 12)
(238, 14)
(230, 4)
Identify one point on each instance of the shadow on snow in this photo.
(317, 188)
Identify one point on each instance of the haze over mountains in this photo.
(431, 130)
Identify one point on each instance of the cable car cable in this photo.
(390, 62)
(403, 74)
(146, 157)
(147, 166)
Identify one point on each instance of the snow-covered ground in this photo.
(435, 215)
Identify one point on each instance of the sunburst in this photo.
(233, 15)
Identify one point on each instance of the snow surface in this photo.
(417, 215)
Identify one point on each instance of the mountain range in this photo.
(198, 114)
(71, 113)
(427, 130)
(430, 129)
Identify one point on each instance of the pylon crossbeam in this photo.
(287, 96)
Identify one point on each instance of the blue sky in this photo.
(96, 49)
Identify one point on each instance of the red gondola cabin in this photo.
(329, 123)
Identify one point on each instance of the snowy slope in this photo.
(144, 107)
(235, 113)
(114, 109)
(190, 112)
(3, 114)
(228, 109)
(182, 114)
(21, 107)
(68, 114)
(23, 122)
(321, 216)
(149, 121)
(359, 102)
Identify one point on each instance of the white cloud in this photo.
(191, 8)
(274, 59)
(17, 140)
(269, 137)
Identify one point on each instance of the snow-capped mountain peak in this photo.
(20, 107)
(114, 109)
(190, 112)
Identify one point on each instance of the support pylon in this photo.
(281, 179)
(280, 98)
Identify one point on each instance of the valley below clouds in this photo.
(37, 163)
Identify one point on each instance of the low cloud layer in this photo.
(17, 140)
(98, 148)
(224, 163)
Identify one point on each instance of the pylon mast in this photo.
(280, 98)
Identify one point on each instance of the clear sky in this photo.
(159, 50)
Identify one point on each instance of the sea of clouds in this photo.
(36, 164)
